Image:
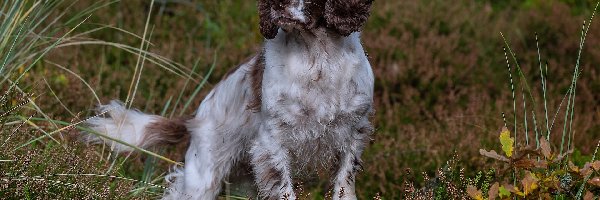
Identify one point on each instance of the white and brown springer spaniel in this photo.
(304, 100)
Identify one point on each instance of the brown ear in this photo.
(347, 16)
(267, 26)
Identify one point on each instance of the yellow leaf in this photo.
(573, 167)
(507, 142)
(474, 193)
(513, 189)
(529, 183)
(517, 192)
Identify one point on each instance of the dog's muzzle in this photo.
(291, 15)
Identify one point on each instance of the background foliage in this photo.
(441, 86)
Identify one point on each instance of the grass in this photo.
(529, 171)
(441, 88)
(29, 30)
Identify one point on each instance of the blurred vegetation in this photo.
(441, 86)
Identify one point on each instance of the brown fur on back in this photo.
(256, 79)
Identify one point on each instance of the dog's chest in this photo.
(307, 91)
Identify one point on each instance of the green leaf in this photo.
(507, 142)
(503, 192)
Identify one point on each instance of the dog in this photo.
(304, 100)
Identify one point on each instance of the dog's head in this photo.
(342, 16)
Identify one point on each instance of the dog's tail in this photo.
(135, 128)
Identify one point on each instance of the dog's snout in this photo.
(297, 10)
(291, 11)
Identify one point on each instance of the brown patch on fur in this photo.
(256, 77)
(315, 10)
(267, 25)
(167, 131)
(347, 16)
(356, 167)
(342, 192)
(342, 16)
(367, 130)
(319, 76)
(270, 176)
(273, 175)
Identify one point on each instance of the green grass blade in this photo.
(187, 81)
(544, 91)
(139, 65)
(512, 89)
(200, 86)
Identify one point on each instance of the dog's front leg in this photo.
(344, 179)
(349, 164)
(271, 165)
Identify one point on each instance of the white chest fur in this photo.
(316, 88)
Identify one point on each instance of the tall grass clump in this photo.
(47, 169)
(39, 156)
(528, 165)
(531, 166)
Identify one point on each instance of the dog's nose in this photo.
(288, 12)
(295, 11)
